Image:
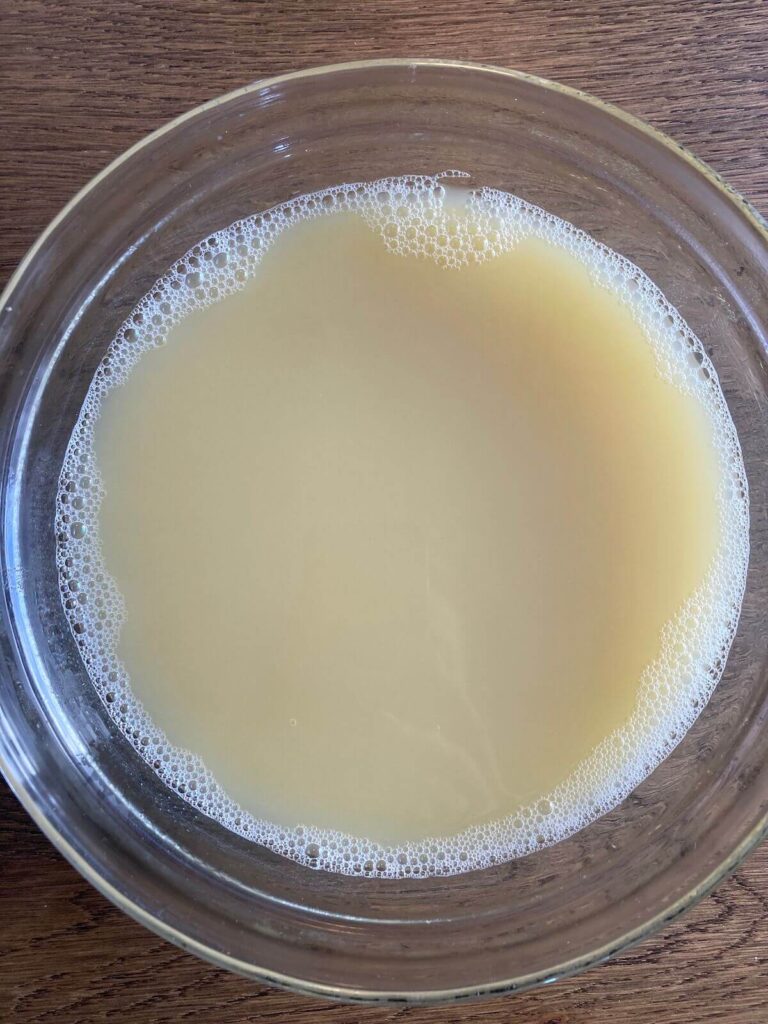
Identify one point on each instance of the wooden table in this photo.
(82, 81)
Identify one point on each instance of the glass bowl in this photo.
(507, 927)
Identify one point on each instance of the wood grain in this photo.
(79, 82)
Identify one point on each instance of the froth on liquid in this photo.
(421, 525)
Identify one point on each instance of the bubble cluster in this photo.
(415, 216)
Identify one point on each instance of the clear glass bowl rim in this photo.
(124, 903)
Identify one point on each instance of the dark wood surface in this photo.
(79, 82)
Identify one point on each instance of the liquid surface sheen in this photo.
(421, 528)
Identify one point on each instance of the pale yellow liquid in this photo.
(396, 541)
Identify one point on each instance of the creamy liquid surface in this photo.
(394, 544)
